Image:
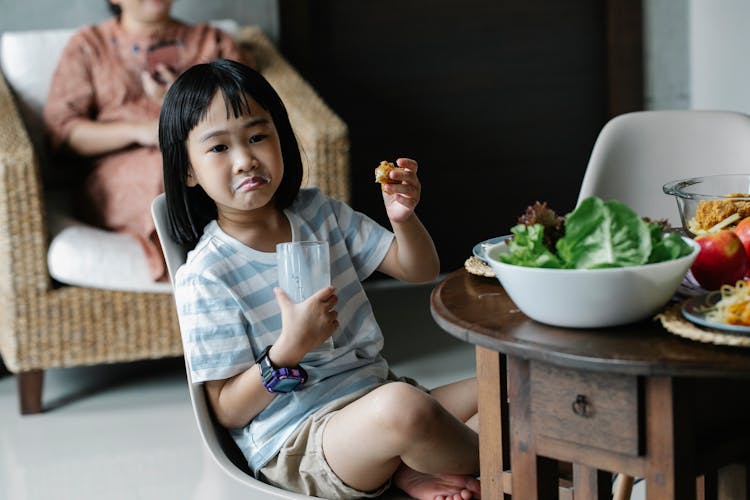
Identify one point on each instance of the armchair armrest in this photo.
(322, 135)
(23, 238)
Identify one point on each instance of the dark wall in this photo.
(499, 101)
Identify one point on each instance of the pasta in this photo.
(734, 306)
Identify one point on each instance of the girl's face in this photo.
(237, 161)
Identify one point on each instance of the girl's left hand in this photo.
(402, 197)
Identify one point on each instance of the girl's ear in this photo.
(191, 180)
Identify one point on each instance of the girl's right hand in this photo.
(304, 326)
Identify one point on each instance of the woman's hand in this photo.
(146, 133)
(304, 326)
(156, 86)
(402, 196)
(92, 138)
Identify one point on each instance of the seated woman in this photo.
(103, 111)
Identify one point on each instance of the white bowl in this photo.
(591, 298)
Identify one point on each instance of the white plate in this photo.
(693, 309)
(480, 248)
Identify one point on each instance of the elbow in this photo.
(427, 274)
(225, 414)
(230, 421)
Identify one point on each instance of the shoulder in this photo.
(204, 32)
(92, 36)
(309, 196)
(206, 261)
(311, 203)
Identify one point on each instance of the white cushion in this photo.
(91, 257)
(83, 255)
(28, 60)
(78, 254)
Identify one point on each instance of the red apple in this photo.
(721, 260)
(743, 231)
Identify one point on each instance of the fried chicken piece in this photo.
(711, 212)
(381, 173)
(738, 313)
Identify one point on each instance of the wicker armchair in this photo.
(44, 325)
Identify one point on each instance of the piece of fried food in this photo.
(711, 212)
(382, 171)
(738, 313)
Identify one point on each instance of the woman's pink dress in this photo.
(99, 78)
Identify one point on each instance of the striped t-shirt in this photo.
(228, 314)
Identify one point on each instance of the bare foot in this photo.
(441, 487)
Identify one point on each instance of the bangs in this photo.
(191, 108)
(235, 102)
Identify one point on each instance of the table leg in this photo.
(494, 447)
(533, 477)
(732, 482)
(591, 484)
(670, 474)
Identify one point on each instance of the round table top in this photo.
(477, 310)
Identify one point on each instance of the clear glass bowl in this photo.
(719, 201)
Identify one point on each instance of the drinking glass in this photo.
(304, 268)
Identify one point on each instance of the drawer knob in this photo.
(582, 407)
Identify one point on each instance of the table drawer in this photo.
(589, 408)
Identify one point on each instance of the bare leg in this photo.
(397, 422)
(460, 399)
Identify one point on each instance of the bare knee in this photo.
(406, 412)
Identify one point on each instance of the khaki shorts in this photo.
(301, 466)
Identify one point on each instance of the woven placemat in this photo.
(673, 321)
(478, 267)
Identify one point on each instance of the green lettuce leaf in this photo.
(666, 246)
(598, 234)
(604, 234)
(527, 248)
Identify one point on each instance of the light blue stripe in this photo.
(216, 332)
(220, 359)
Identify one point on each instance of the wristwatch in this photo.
(280, 380)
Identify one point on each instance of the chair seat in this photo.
(83, 255)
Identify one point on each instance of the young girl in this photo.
(329, 423)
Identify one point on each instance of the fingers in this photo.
(166, 74)
(325, 294)
(281, 297)
(407, 163)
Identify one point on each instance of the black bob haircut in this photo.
(186, 103)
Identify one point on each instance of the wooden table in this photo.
(633, 399)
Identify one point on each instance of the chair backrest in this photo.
(637, 153)
(220, 445)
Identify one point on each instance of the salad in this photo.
(597, 234)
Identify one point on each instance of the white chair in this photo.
(218, 441)
(637, 153)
